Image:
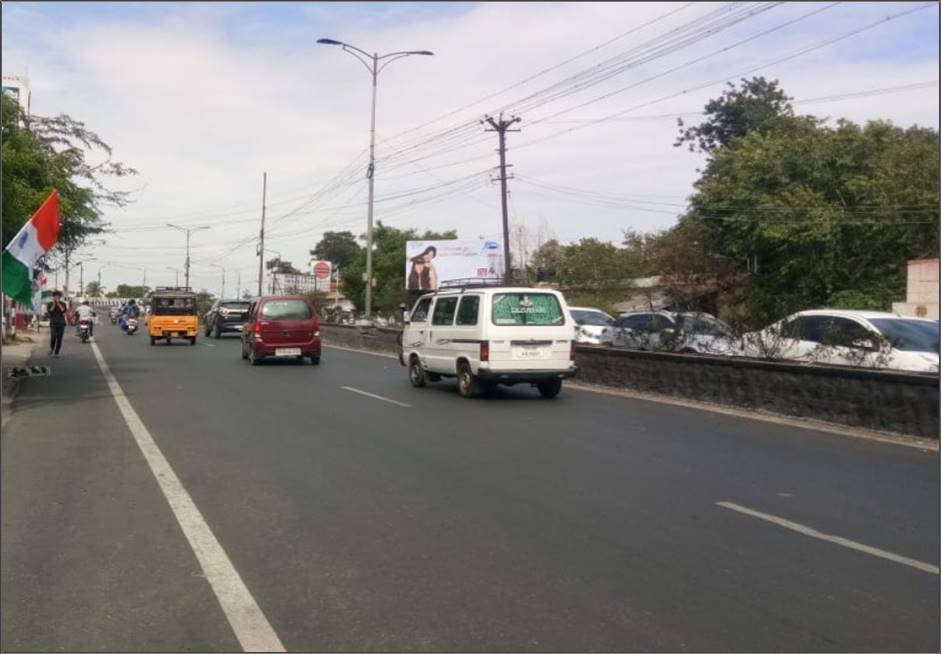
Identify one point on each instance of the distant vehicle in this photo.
(486, 335)
(592, 326)
(281, 326)
(670, 331)
(851, 338)
(225, 316)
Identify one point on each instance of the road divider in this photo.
(838, 540)
(249, 624)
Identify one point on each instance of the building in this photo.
(921, 299)
(17, 87)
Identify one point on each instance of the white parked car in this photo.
(487, 335)
(592, 326)
(669, 331)
(855, 338)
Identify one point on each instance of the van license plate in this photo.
(287, 352)
(530, 352)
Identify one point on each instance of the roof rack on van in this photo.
(473, 282)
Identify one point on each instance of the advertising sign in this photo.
(428, 264)
(321, 269)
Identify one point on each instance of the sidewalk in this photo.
(16, 354)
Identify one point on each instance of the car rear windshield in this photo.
(285, 310)
(174, 306)
(909, 335)
(591, 318)
(235, 306)
(537, 309)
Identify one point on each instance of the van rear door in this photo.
(529, 331)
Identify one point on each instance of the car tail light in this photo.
(485, 351)
(257, 329)
(572, 351)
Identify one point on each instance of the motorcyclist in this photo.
(130, 310)
(85, 312)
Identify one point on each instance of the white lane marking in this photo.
(208, 344)
(358, 351)
(246, 618)
(839, 540)
(376, 397)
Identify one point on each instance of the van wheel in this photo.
(416, 374)
(467, 384)
(549, 387)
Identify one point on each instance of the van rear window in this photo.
(285, 310)
(537, 309)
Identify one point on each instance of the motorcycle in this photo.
(84, 329)
(131, 326)
(114, 316)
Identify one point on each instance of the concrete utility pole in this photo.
(371, 62)
(501, 127)
(187, 231)
(222, 268)
(261, 237)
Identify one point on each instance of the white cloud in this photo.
(202, 98)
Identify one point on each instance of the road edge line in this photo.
(830, 538)
(246, 618)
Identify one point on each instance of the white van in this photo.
(487, 335)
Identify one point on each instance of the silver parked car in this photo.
(592, 326)
(671, 331)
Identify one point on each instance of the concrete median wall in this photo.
(905, 403)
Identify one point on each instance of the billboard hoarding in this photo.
(428, 264)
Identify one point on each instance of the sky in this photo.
(203, 98)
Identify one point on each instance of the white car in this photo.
(592, 326)
(855, 338)
(669, 331)
(487, 335)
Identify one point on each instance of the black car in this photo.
(226, 316)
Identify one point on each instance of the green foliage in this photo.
(93, 289)
(280, 267)
(388, 267)
(41, 154)
(594, 264)
(546, 261)
(758, 106)
(204, 301)
(340, 248)
(129, 291)
(831, 214)
(319, 300)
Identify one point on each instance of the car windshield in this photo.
(583, 317)
(541, 309)
(285, 310)
(235, 306)
(909, 335)
(174, 306)
(703, 323)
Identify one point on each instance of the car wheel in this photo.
(467, 384)
(206, 330)
(255, 360)
(153, 341)
(244, 352)
(549, 387)
(315, 360)
(416, 374)
(192, 340)
(216, 332)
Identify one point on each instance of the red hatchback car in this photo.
(281, 326)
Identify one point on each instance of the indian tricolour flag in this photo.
(33, 241)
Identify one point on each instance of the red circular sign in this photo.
(321, 270)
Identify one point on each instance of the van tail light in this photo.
(571, 350)
(485, 351)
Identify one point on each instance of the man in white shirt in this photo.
(84, 312)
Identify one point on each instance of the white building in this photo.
(921, 299)
(17, 87)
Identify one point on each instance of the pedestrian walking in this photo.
(57, 311)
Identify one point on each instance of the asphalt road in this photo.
(434, 523)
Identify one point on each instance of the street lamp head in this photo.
(329, 42)
(422, 52)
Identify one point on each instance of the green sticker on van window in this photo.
(527, 309)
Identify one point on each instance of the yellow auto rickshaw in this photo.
(172, 315)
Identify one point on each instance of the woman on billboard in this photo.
(423, 276)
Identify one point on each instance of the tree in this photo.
(596, 264)
(93, 289)
(340, 248)
(41, 154)
(546, 260)
(280, 267)
(204, 301)
(129, 291)
(830, 214)
(759, 105)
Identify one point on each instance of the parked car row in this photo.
(856, 338)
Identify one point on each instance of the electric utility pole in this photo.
(261, 237)
(501, 127)
(187, 231)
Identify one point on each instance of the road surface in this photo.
(335, 508)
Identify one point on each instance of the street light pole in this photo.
(177, 271)
(371, 62)
(187, 231)
(222, 268)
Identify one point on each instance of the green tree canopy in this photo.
(340, 248)
(280, 267)
(41, 154)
